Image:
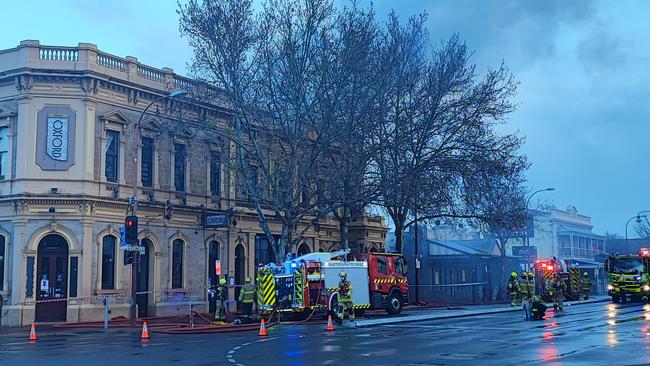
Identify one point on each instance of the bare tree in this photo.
(438, 121)
(266, 66)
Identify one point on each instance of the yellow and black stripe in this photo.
(266, 291)
(361, 307)
(389, 280)
(574, 279)
(299, 286)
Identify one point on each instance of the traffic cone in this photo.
(262, 329)
(145, 331)
(330, 326)
(32, 333)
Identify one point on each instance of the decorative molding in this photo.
(24, 82)
(89, 85)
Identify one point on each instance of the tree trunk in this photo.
(502, 270)
(399, 237)
(344, 228)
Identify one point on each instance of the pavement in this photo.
(592, 333)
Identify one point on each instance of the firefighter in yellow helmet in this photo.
(345, 297)
(221, 297)
(585, 285)
(531, 285)
(514, 290)
(246, 298)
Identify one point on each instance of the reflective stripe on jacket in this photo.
(247, 294)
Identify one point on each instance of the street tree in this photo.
(265, 63)
(438, 116)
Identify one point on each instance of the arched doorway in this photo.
(52, 274)
(144, 278)
(303, 249)
(214, 265)
(240, 267)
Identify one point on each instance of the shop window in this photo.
(177, 263)
(112, 155)
(146, 169)
(4, 152)
(179, 167)
(108, 262)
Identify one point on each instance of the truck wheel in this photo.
(394, 303)
(616, 298)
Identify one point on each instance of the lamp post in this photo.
(134, 200)
(638, 219)
(527, 237)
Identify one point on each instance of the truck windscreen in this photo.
(627, 266)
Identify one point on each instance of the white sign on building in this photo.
(57, 136)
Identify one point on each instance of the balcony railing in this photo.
(86, 56)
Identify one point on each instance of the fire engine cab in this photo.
(310, 283)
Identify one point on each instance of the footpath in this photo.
(413, 315)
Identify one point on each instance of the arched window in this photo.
(177, 263)
(303, 249)
(213, 256)
(108, 262)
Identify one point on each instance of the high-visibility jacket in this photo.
(513, 286)
(586, 284)
(531, 287)
(345, 291)
(222, 293)
(247, 294)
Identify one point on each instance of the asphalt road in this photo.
(590, 334)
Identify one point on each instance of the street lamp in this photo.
(638, 219)
(134, 201)
(527, 237)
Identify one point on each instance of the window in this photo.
(2, 263)
(112, 155)
(463, 276)
(263, 251)
(4, 153)
(381, 265)
(108, 262)
(213, 256)
(179, 167)
(436, 278)
(401, 266)
(177, 263)
(215, 173)
(146, 170)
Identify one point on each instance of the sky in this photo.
(583, 99)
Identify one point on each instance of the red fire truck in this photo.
(309, 283)
(545, 269)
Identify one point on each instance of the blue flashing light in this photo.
(294, 265)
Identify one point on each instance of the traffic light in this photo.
(128, 257)
(131, 229)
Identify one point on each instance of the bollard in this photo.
(105, 301)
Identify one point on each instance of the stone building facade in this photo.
(68, 163)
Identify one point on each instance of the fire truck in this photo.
(545, 269)
(628, 275)
(309, 284)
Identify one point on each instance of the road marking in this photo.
(230, 356)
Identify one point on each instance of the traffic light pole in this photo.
(134, 287)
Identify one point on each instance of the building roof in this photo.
(448, 247)
(620, 246)
(581, 230)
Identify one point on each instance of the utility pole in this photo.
(133, 203)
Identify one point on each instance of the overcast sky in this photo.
(583, 68)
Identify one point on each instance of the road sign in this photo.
(123, 243)
(135, 248)
(522, 252)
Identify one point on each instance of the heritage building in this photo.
(68, 163)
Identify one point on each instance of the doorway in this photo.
(143, 279)
(240, 268)
(52, 275)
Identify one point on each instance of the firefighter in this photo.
(557, 289)
(246, 297)
(538, 308)
(345, 297)
(523, 285)
(514, 290)
(531, 285)
(585, 285)
(221, 296)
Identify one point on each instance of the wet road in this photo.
(590, 334)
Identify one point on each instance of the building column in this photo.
(87, 259)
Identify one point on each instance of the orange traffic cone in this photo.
(262, 329)
(145, 331)
(330, 326)
(32, 333)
